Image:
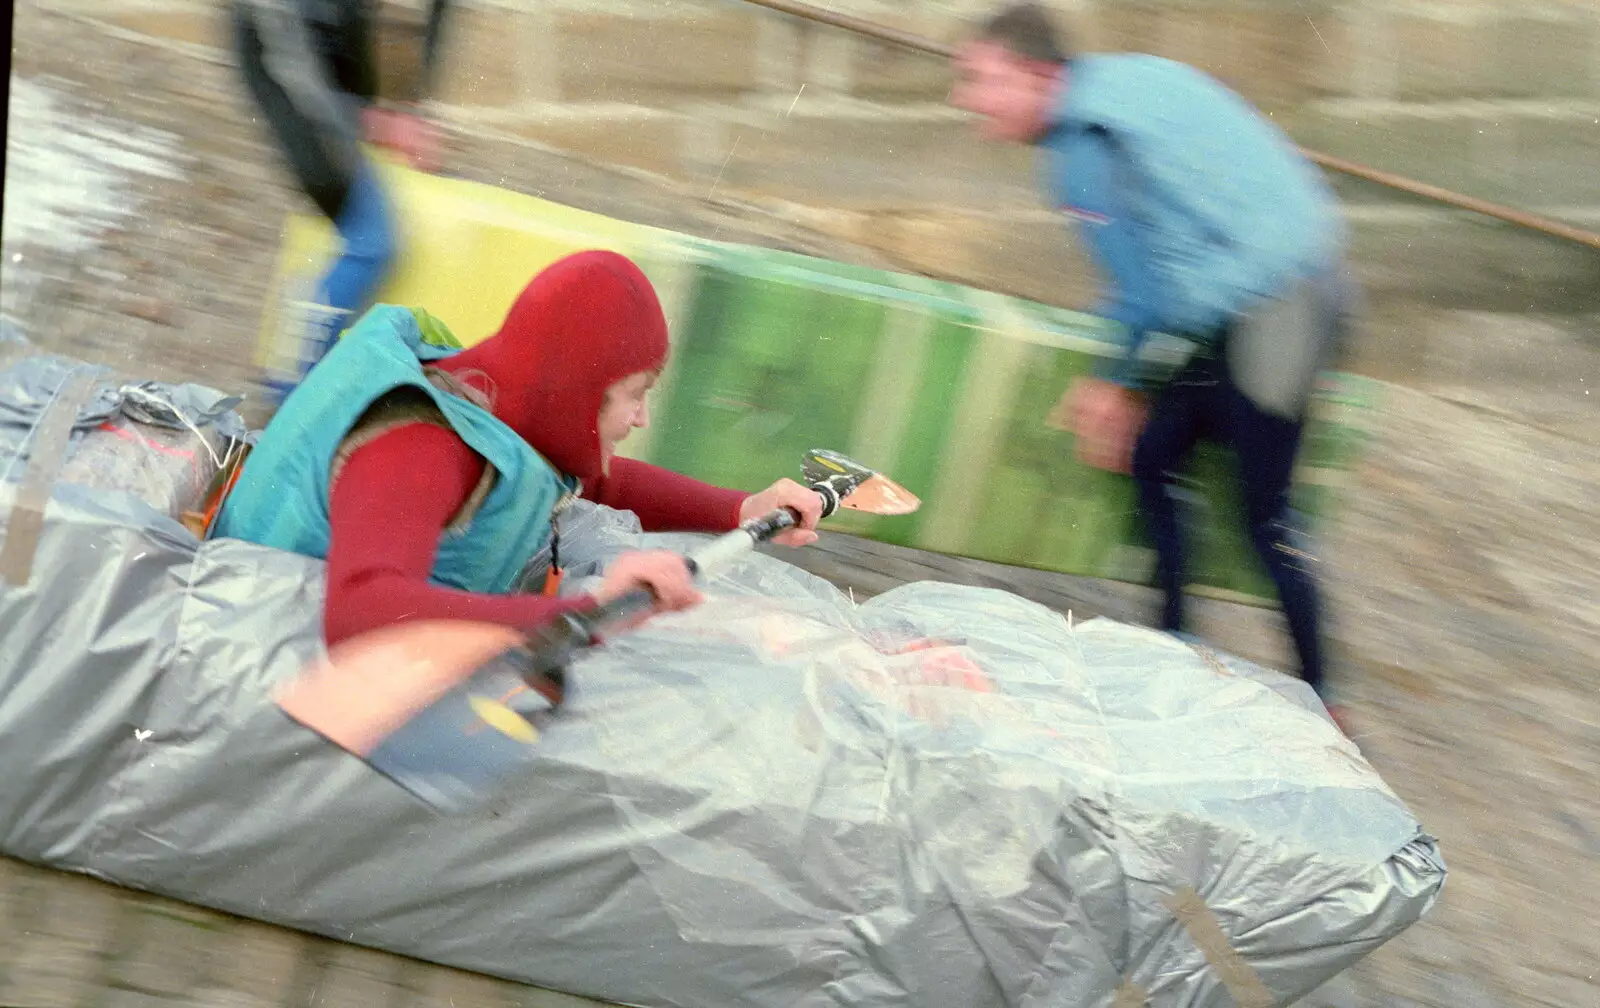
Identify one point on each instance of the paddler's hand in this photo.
(787, 493)
(662, 572)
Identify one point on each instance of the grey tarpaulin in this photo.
(942, 796)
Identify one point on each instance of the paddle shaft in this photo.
(552, 647)
(715, 555)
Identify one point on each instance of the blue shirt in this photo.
(1193, 205)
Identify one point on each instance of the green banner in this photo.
(947, 389)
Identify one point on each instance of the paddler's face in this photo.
(627, 406)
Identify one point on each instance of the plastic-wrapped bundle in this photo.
(942, 796)
(167, 468)
(163, 443)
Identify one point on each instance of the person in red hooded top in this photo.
(430, 484)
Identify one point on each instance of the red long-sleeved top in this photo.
(394, 497)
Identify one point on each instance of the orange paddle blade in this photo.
(882, 495)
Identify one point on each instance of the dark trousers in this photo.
(1202, 402)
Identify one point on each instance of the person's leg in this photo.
(366, 226)
(366, 229)
(1175, 425)
(1266, 446)
(341, 181)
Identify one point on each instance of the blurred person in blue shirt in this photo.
(1208, 225)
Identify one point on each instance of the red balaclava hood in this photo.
(581, 325)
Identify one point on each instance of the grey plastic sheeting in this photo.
(751, 804)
